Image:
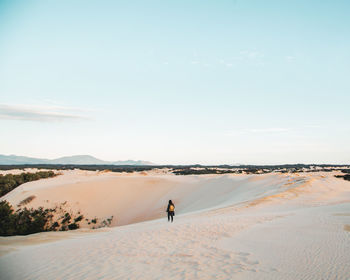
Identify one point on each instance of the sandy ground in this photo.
(273, 226)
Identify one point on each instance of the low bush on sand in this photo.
(10, 181)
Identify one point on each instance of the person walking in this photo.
(171, 211)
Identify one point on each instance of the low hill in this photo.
(76, 159)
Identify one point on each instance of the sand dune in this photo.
(135, 198)
(272, 226)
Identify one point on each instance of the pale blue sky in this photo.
(178, 82)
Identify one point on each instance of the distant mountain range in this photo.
(76, 160)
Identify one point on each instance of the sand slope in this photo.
(274, 226)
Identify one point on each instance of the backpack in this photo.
(171, 208)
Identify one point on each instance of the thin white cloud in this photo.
(39, 113)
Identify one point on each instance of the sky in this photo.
(176, 82)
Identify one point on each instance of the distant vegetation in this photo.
(213, 170)
(191, 169)
(196, 169)
(9, 182)
(255, 169)
(346, 176)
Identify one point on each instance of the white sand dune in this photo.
(274, 226)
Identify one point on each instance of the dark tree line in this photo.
(190, 171)
(9, 182)
(345, 177)
(185, 169)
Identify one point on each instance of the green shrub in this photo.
(73, 226)
(7, 219)
(64, 228)
(66, 219)
(78, 219)
(9, 182)
(23, 221)
(54, 226)
(27, 221)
